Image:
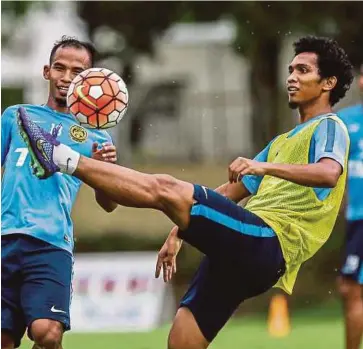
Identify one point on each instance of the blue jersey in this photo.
(41, 208)
(329, 141)
(353, 119)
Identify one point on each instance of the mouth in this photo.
(292, 90)
(63, 89)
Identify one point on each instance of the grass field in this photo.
(311, 329)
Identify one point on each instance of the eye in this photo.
(58, 68)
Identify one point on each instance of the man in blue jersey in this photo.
(36, 225)
(350, 282)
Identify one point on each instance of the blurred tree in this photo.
(262, 28)
(12, 10)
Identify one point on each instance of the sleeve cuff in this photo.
(333, 156)
(250, 184)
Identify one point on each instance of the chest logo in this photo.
(78, 133)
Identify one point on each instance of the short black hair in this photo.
(69, 41)
(332, 61)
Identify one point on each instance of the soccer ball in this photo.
(98, 98)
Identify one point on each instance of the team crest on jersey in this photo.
(78, 133)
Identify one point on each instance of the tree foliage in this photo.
(262, 28)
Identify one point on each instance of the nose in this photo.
(291, 78)
(67, 77)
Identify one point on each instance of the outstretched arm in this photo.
(327, 157)
(325, 173)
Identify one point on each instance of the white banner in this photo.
(117, 292)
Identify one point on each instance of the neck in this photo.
(51, 103)
(308, 112)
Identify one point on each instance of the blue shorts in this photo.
(353, 260)
(35, 284)
(243, 259)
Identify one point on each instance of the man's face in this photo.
(67, 63)
(304, 84)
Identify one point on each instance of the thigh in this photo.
(46, 290)
(12, 318)
(220, 228)
(353, 259)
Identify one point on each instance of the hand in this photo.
(107, 153)
(242, 166)
(167, 257)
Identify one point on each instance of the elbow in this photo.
(106, 204)
(110, 207)
(331, 180)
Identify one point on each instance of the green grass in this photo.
(312, 329)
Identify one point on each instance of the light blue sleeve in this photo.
(252, 182)
(330, 142)
(107, 137)
(6, 123)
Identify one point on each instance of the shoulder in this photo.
(11, 111)
(330, 130)
(331, 122)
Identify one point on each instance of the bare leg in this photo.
(185, 333)
(131, 188)
(351, 293)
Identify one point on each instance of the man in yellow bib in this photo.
(296, 186)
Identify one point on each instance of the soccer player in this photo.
(36, 224)
(350, 282)
(297, 184)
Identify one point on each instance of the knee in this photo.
(185, 333)
(6, 341)
(348, 289)
(47, 333)
(180, 340)
(176, 341)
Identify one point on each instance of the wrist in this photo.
(174, 233)
(268, 168)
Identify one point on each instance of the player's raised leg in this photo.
(125, 186)
(131, 188)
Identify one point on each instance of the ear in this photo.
(330, 83)
(46, 71)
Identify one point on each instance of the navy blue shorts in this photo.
(353, 260)
(35, 284)
(243, 259)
